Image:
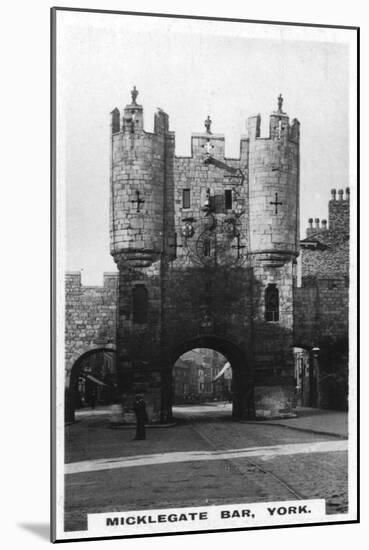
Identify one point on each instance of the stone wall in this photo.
(321, 312)
(332, 263)
(90, 316)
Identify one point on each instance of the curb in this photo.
(148, 426)
(308, 430)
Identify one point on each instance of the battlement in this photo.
(73, 281)
(131, 123)
(279, 128)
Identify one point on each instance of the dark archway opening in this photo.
(241, 392)
(93, 381)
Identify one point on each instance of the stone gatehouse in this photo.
(206, 250)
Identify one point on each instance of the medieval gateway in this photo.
(206, 247)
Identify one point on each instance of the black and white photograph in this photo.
(205, 274)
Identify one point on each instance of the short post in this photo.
(315, 352)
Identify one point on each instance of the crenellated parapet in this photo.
(280, 128)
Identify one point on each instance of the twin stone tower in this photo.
(206, 248)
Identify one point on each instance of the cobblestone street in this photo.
(205, 459)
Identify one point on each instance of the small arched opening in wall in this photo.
(209, 369)
(92, 381)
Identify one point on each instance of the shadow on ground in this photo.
(42, 530)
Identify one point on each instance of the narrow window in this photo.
(140, 304)
(228, 199)
(207, 247)
(271, 303)
(186, 198)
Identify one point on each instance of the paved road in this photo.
(206, 459)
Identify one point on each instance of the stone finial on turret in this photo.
(324, 225)
(279, 128)
(310, 223)
(333, 193)
(340, 194)
(347, 193)
(207, 124)
(280, 103)
(134, 94)
(132, 120)
(317, 226)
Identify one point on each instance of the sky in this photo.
(191, 69)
